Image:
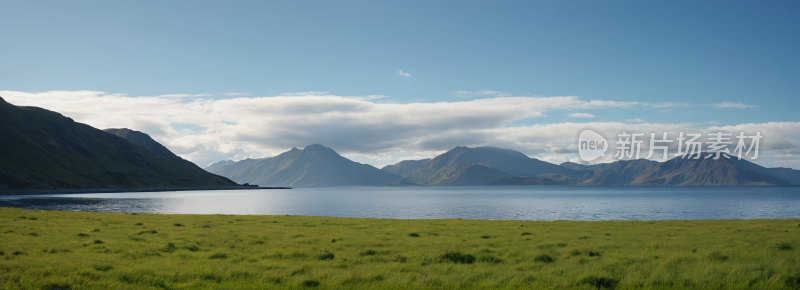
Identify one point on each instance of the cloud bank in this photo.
(205, 128)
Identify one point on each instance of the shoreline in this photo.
(793, 219)
(116, 190)
(248, 187)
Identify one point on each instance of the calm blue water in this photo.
(473, 202)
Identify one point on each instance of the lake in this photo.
(428, 202)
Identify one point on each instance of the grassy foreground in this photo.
(76, 250)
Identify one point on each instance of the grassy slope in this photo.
(117, 251)
(65, 154)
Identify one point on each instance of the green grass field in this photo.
(75, 250)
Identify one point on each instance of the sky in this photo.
(381, 82)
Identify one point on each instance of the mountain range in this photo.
(681, 172)
(498, 166)
(48, 151)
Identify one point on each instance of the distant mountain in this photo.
(788, 174)
(683, 172)
(581, 167)
(509, 161)
(45, 150)
(494, 162)
(709, 172)
(145, 141)
(237, 167)
(217, 165)
(459, 174)
(624, 172)
(405, 166)
(315, 165)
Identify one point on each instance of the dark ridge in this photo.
(51, 151)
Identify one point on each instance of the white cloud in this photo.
(736, 105)
(492, 93)
(357, 126)
(463, 94)
(487, 92)
(723, 105)
(637, 120)
(369, 97)
(235, 94)
(581, 115)
(670, 105)
(405, 75)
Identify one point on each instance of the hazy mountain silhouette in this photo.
(493, 163)
(217, 165)
(50, 151)
(788, 174)
(509, 161)
(582, 167)
(237, 167)
(405, 166)
(315, 165)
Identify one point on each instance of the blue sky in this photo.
(694, 54)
